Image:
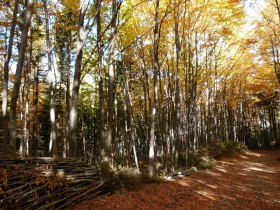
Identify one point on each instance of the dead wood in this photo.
(44, 183)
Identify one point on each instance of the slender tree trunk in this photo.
(34, 142)
(154, 109)
(25, 146)
(25, 142)
(109, 140)
(274, 122)
(177, 117)
(5, 117)
(275, 54)
(21, 114)
(83, 135)
(131, 122)
(76, 82)
(278, 8)
(127, 137)
(147, 98)
(53, 143)
(17, 81)
(67, 100)
(100, 82)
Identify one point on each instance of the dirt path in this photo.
(249, 181)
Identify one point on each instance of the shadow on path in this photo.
(248, 181)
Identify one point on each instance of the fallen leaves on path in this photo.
(249, 181)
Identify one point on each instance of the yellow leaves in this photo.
(65, 27)
(262, 82)
(69, 15)
(67, 18)
(71, 4)
(250, 41)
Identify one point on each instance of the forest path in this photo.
(248, 181)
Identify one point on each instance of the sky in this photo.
(252, 8)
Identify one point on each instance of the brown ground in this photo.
(249, 181)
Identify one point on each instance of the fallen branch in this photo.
(44, 183)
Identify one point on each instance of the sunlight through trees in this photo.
(135, 83)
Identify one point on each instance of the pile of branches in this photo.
(47, 183)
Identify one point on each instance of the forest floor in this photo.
(247, 181)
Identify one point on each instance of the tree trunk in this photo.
(51, 71)
(76, 82)
(109, 140)
(177, 121)
(5, 118)
(21, 114)
(17, 81)
(275, 55)
(154, 109)
(278, 8)
(25, 146)
(34, 142)
(147, 100)
(100, 82)
(130, 127)
(67, 100)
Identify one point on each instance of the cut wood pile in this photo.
(47, 183)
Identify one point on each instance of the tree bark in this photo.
(67, 100)
(5, 117)
(26, 91)
(177, 118)
(100, 82)
(76, 82)
(109, 140)
(129, 122)
(278, 8)
(51, 71)
(17, 81)
(34, 141)
(155, 96)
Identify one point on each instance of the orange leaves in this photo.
(234, 1)
(39, 180)
(3, 178)
(248, 181)
(226, 31)
(52, 181)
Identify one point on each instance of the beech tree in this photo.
(17, 81)
(155, 87)
(5, 117)
(53, 142)
(77, 80)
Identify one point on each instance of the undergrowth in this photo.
(205, 157)
(124, 179)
